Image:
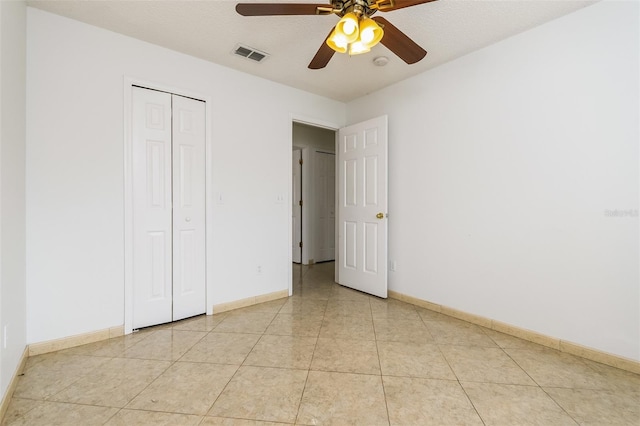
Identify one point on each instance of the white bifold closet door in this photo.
(168, 207)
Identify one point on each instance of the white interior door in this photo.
(168, 208)
(188, 207)
(152, 234)
(325, 206)
(362, 206)
(296, 208)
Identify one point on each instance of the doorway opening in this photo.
(313, 199)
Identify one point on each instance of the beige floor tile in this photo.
(311, 292)
(343, 399)
(62, 414)
(615, 379)
(301, 305)
(500, 404)
(18, 407)
(271, 307)
(282, 351)
(260, 393)
(56, 361)
(354, 338)
(417, 401)
(401, 330)
(599, 407)
(187, 388)
(457, 332)
(506, 341)
(346, 356)
(150, 418)
(307, 325)
(222, 348)
(429, 315)
(249, 322)
(168, 345)
(348, 307)
(489, 365)
(51, 374)
(199, 323)
(413, 360)
(342, 327)
(346, 293)
(552, 368)
(114, 384)
(114, 347)
(323, 272)
(44, 384)
(225, 421)
(390, 308)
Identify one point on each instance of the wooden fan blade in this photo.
(323, 55)
(271, 9)
(400, 4)
(399, 43)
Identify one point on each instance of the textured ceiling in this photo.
(211, 29)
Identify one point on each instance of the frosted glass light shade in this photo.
(348, 27)
(370, 32)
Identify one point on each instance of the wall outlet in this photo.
(393, 265)
(259, 270)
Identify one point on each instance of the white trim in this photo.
(128, 83)
(311, 121)
(305, 190)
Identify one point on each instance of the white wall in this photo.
(75, 172)
(12, 188)
(502, 166)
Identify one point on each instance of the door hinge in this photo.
(300, 244)
(300, 203)
(300, 161)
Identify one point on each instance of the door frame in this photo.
(300, 189)
(315, 122)
(128, 83)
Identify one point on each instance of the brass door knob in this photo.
(380, 215)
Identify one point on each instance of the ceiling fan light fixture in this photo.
(348, 27)
(355, 35)
(337, 42)
(358, 48)
(370, 32)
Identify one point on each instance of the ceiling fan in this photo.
(356, 32)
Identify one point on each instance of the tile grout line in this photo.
(439, 346)
(306, 380)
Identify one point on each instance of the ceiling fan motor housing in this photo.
(360, 7)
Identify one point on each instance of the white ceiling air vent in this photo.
(250, 53)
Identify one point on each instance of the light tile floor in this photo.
(326, 356)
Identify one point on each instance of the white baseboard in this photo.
(6, 399)
(249, 301)
(73, 341)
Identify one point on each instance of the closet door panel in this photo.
(152, 239)
(188, 207)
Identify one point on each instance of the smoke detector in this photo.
(380, 61)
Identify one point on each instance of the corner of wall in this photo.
(13, 24)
